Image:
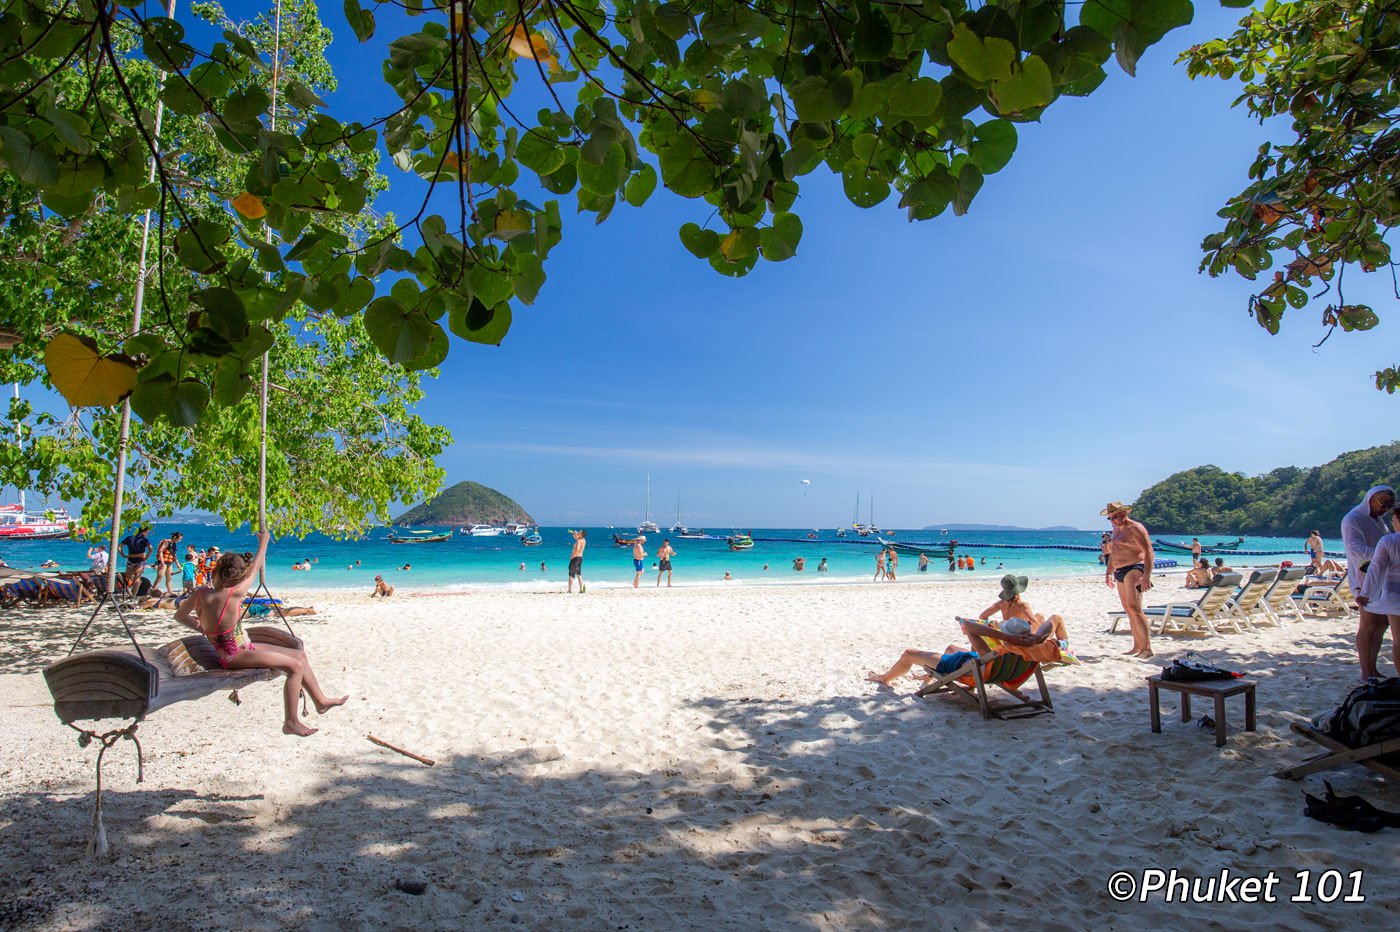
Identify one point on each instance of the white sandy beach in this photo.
(683, 759)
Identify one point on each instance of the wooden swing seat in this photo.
(118, 683)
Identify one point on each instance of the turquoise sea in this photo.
(497, 561)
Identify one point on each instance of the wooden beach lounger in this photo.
(1340, 754)
(1007, 671)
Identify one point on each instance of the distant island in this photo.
(466, 503)
(954, 526)
(1288, 502)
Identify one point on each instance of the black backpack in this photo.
(1369, 714)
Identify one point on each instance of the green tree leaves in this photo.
(1321, 199)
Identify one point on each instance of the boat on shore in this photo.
(420, 537)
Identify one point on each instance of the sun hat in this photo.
(1015, 626)
(1012, 586)
(1113, 508)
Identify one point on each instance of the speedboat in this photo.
(687, 533)
(420, 537)
(485, 530)
(740, 542)
(532, 539)
(519, 530)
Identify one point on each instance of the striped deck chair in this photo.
(1006, 671)
(68, 591)
(33, 589)
(1278, 601)
(1207, 614)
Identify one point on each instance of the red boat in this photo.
(16, 524)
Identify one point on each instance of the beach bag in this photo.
(1191, 670)
(1369, 714)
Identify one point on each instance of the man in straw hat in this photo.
(1130, 570)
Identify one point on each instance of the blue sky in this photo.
(1024, 364)
(1054, 349)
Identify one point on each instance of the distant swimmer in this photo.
(821, 567)
(923, 563)
(728, 578)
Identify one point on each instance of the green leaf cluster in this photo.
(1324, 199)
(732, 103)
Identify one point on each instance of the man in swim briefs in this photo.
(1130, 570)
(639, 558)
(576, 560)
(664, 555)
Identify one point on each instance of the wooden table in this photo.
(1216, 689)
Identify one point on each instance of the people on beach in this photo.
(1129, 569)
(639, 558)
(1020, 630)
(1313, 545)
(1105, 545)
(215, 611)
(1195, 551)
(1379, 595)
(1220, 569)
(302, 565)
(729, 578)
(1200, 575)
(576, 560)
(136, 548)
(1362, 529)
(799, 563)
(1013, 608)
(381, 588)
(891, 564)
(188, 568)
(166, 552)
(97, 557)
(663, 555)
(879, 565)
(821, 567)
(923, 563)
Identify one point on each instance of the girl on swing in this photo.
(216, 611)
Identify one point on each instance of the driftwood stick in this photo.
(384, 744)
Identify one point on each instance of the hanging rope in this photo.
(97, 843)
(262, 588)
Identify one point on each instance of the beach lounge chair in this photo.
(1006, 671)
(1328, 599)
(32, 589)
(1248, 604)
(1278, 601)
(68, 591)
(1339, 754)
(1207, 614)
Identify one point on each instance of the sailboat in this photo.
(678, 528)
(864, 530)
(648, 526)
